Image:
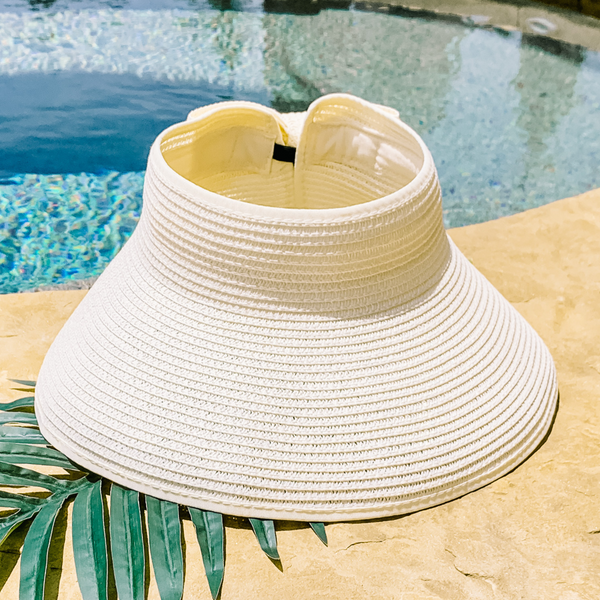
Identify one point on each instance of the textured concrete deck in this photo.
(534, 534)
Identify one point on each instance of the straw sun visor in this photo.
(295, 340)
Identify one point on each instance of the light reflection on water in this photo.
(512, 121)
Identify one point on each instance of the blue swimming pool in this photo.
(512, 119)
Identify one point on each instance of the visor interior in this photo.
(348, 154)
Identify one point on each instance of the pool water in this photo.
(512, 120)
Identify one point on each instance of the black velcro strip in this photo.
(284, 153)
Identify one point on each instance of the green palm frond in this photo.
(26, 402)
(26, 454)
(164, 539)
(265, 534)
(89, 543)
(34, 558)
(10, 523)
(29, 384)
(26, 435)
(22, 445)
(23, 418)
(211, 537)
(319, 529)
(127, 543)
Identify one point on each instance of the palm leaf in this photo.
(9, 500)
(23, 418)
(29, 390)
(30, 384)
(164, 536)
(26, 402)
(89, 543)
(28, 506)
(34, 558)
(265, 534)
(126, 543)
(10, 523)
(26, 454)
(13, 475)
(319, 529)
(21, 434)
(211, 538)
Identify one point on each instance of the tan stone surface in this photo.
(569, 26)
(534, 534)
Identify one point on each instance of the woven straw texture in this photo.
(295, 341)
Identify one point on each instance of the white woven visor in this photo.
(295, 341)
